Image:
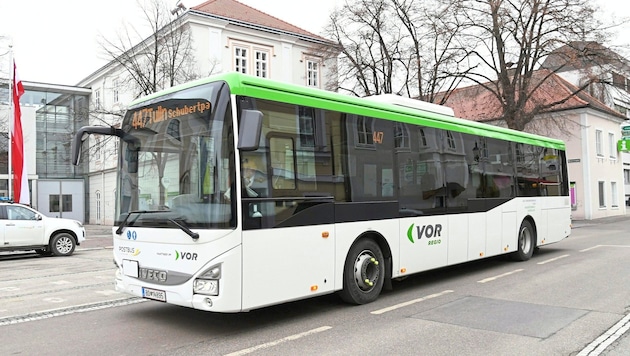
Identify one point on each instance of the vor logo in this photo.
(427, 231)
(190, 256)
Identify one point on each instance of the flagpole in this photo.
(10, 120)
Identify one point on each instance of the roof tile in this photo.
(235, 10)
(479, 104)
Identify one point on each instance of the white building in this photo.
(226, 36)
(581, 62)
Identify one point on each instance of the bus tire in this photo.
(62, 244)
(363, 273)
(526, 242)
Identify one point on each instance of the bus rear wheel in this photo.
(526, 242)
(363, 273)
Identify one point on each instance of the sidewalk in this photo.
(97, 236)
(608, 219)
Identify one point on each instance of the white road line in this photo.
(553, 259)
(60, 282)
(600, 344)
(499, 276)
(397, 306)
(279, 341)
(591, 248)
(596, 246)
(16, 319)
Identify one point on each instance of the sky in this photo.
(55, 41)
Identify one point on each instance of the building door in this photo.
(61, 198)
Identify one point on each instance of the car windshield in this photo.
(177, 157)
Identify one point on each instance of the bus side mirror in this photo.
(249, 130)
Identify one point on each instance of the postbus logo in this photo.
(430, 231)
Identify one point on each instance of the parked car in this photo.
(23, 228)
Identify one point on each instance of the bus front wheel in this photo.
(526, 242)
(363, 273)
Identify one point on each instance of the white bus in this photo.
(236, 193)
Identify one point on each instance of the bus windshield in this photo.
(176, 158)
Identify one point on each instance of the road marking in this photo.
(107, 292)
(397, 306)
(54, 300)
(596, 246)
(500, 276)
(9, 289)
(600, 344)
(16, 319)
(553, 259)
(60, 282)
(279, 341)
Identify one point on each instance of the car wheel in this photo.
(62, 244)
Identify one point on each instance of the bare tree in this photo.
(394, 46)
(506, 41)
(161, 60)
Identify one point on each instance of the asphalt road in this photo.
(570, 299)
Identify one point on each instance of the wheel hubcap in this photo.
(64, 245)
(525, 240)
(366, 270)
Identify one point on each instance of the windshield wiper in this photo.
(194, 235)
(123, 224)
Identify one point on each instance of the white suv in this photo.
(23, 228)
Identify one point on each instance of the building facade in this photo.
(226, 36)
(51, 114)
(579, 63)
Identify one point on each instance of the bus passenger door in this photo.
(294, 258)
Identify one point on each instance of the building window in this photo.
(598, 143)
(115, 91)
(613, 191)
(312, 73)
(98, 206)
(173, 130)
(619, 80)
(450, 141)
(520, 153)
(261, 62)
(364, 131)
(251, 59)
(602, 195)
(97, 98)
(612, 146)
(401, 136)
(422, 138)
(55, 205)
(626, 176)
(306, 121)
(240, 59)
(97, 148)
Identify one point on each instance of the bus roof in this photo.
(247, 85)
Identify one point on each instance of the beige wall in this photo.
(586, 168)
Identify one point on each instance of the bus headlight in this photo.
(206, 286)
(208, 282)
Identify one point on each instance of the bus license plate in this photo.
(154, 294)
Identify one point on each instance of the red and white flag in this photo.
(21, 193)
